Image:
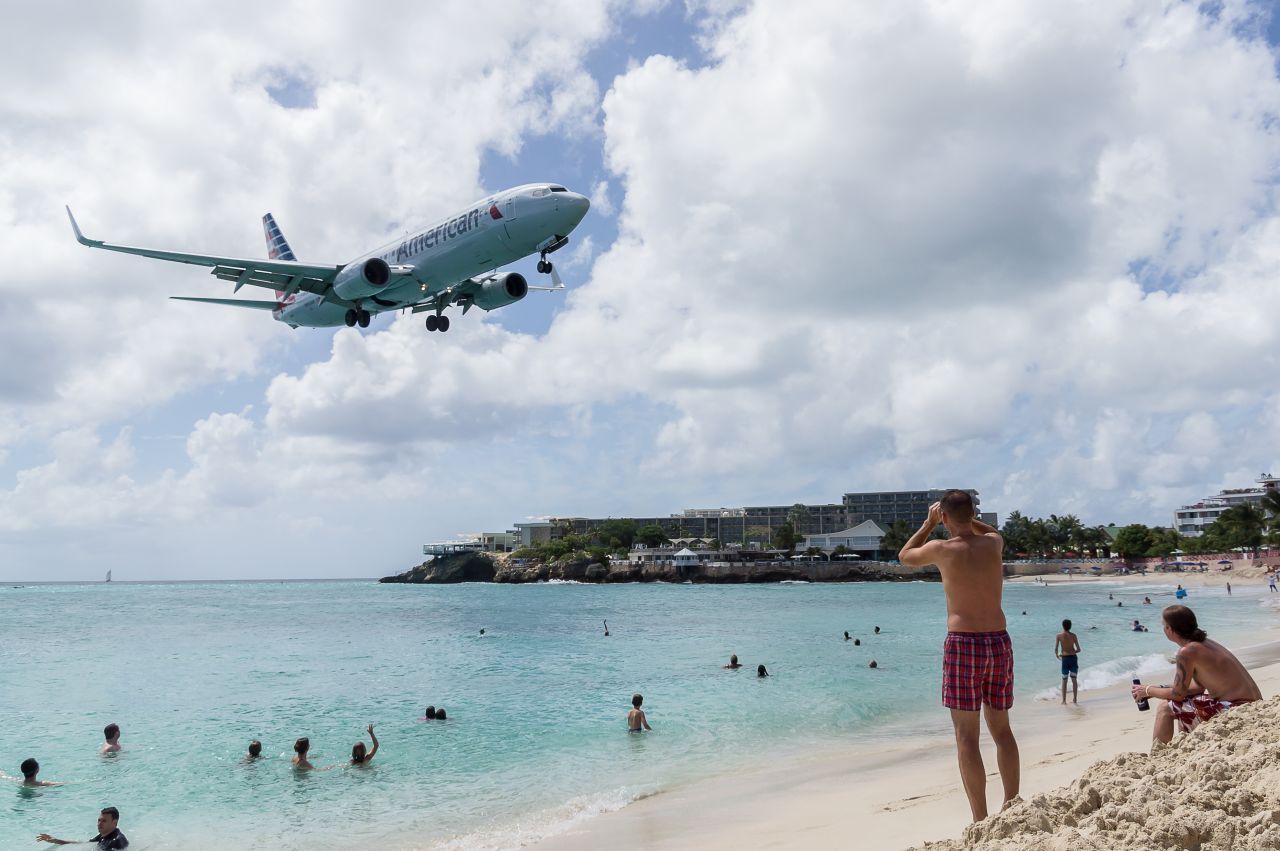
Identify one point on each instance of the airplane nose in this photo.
(576, 204)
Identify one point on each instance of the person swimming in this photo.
(358, 754)
(873, 664)
(857, 642)
(441, 714)
(636, 720)
(430, 714)
(606, 629)
(733, 663)
(877, 630)
(300, 748)
(255, 750)
(761, 672)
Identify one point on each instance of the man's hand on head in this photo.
(935, 514)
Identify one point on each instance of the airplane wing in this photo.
(234, 302)
(288, 276)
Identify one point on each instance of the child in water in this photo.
(636, 722)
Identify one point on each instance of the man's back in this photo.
(973, 579)
(1218, 670)
(1068, 644)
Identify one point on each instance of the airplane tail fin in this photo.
(277, 246)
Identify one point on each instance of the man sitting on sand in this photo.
(977, 656)
(1067, 648)
(1208, 679)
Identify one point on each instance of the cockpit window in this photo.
(558, 189)
(539, 193)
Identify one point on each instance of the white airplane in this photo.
(452, 262)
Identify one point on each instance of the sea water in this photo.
(535, 738)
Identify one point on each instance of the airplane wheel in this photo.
(444, 324)
(549, 267)
(351, 319)
(362, 317)
(542, 267)
(433, 322)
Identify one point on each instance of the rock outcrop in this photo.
(478, 567)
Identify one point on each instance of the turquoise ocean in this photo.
(535, 739)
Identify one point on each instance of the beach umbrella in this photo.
(1224, 561)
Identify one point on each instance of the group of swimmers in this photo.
(857, 642)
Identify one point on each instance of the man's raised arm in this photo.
(983, 528)
(917, 551)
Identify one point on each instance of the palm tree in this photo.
(1243, 524)
(1271, 505)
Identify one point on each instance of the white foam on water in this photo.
(1122, 670)
(537, 827)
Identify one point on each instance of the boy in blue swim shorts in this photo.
(1067, 648)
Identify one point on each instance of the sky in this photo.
(1027, 248)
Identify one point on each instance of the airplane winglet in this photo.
(80, 237)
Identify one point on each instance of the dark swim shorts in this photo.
(1070, 665)
(977, 669)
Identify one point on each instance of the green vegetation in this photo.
(785, 537)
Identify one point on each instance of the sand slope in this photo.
(1217, 788)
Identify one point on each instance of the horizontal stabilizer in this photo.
(234, 302)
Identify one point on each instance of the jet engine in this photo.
(501, 290)
(362, 280)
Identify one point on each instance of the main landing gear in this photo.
(437, 323)
(544, 265)
(357, 317)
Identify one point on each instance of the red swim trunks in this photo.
(977, 668)
(1197, 709)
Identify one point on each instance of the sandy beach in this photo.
(908, 793)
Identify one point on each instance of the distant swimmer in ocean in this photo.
(359, 756)
(109, 837)
(1137, 627)
(1110, 596)
(1208, 678)
(977, 655)
(430, 714)
(482, 630)
(30, 768)
(255, 751)
(606, 629)
(441, 714)
(300, 749)
(873, 664)
(111, 733)
(1119, 604)
(877, 630)
(846, 635)
(857, 642)
(761, 672)
(1067, 648)
(636, 721)
(733, 663)
(1146, 601)
(1181, 593)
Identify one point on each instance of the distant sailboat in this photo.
(108, 579)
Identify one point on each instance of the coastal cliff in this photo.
(480, 567)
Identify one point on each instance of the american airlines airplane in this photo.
(451, 262)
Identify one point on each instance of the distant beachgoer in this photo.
(1146, 601)
(636, 720)
(1137, 627)
(872, 664)
(857, 642)
(1180, 594)
(606, 629)
(111, 733)
(846, 635)
(977, 656)
(877, 630)
(482, 630)
(1111, 596)
(733, 663)
(1271, 581)
(1119, 604)
(761, 672)
(1228, 589)
(30, 768)
(1208, 678)
(109, 837)
(441, 715)
(300, 748)
(1067, 648)
(430, 714)
(255, 750)
(358, 754)
(1024, 611)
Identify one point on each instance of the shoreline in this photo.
(901, 794)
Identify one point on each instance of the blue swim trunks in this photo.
(1070, 665)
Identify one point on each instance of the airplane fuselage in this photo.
(492, 232)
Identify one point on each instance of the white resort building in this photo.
(1194, 519)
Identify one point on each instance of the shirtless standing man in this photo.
(1067, 648)
(1208, 679)
(977, 656)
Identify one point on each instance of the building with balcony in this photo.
(1193, 519)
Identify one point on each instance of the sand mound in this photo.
(1213, 790)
